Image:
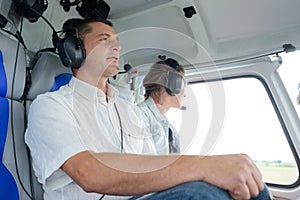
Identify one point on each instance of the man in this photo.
(84, 146)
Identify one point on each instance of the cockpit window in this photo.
(248, 123)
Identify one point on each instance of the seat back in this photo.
(15, 154)
(17, 180)
(9, 189)
(48, 74)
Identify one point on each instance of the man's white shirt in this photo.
(76, 118)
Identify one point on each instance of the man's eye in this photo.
(103, 39)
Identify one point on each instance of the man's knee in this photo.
(263, 195)
(192, 190)
(203, 190)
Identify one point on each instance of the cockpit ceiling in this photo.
(220, 30)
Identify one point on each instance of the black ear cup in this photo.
(71, 51)
(175, 83)
(173, 63)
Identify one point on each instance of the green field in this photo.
(278, 173)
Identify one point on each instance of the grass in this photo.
(278, 172)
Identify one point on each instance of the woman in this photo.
(164, 88)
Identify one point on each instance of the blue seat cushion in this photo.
(8, 186)
(4, 114)
(3, 80)
(61, 80)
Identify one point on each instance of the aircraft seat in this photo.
(9, 188)
(14, 166)
(48, 74)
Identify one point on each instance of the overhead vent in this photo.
(189, 11)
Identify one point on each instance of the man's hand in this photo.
(235, 173)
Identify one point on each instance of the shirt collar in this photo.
(152, 106)
(112, 93)
(91, 92)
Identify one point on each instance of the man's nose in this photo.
(116, 46)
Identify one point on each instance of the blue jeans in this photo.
(198, 190)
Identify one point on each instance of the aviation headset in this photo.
(161, 74)
(175, 82)
(71, 48)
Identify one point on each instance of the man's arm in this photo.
(129, 174)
